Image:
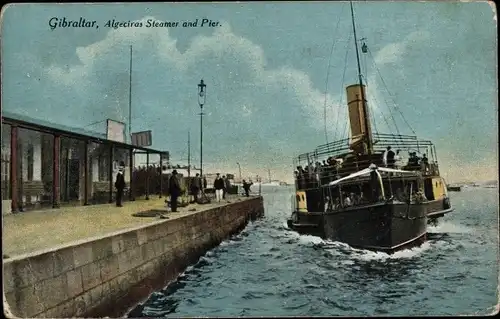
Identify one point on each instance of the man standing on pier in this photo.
(174, 189)
(196, 187)
(204, 183)
(246, 187)
(227, 185)
(219, 187)
(120, 184)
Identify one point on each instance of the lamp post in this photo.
(239, 168)
(201, 101)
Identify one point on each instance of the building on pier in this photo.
(47, 165)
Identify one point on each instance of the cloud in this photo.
(248, 75)
(257, 115)
(394, 52)
(381, 103)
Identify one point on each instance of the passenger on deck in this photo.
(412, 160)
(305, 176)
(354, 199)
(338, 163)
(400, 196)
(317, 173)
(300, 176)
(390, 157)
(331, 161)
(384, 156)
(397, 160)
(419, 196)
(329, 173)
(336, 204)
(347, 201)
(328, 204)
(424, 163)
(417, 159)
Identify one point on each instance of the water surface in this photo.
(268, 270)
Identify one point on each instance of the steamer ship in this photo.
(347, 191)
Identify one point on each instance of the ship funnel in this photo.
(361, 133)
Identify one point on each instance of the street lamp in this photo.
(239, 168)
(201, 101)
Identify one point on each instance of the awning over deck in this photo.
(367, 171)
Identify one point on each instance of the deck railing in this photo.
(323, 175)
(339, 148)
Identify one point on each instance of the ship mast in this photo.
(189, 153)
(360, 77)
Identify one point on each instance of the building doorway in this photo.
(72, 170)
(73, 179)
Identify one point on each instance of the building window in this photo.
(30, 156)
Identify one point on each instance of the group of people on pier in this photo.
(321, 173)
(221, 186)
(196, 185)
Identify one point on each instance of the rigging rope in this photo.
(342, 87)
(382, 113)
(371, 114)
(388, 107)
(390, 95)
(328, 72)
(345, 130)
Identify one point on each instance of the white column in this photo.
(126, 175)
(95, 169)
(115, 170)
(37, 158)
(24, 158)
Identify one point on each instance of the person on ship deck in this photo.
(424, 163)
(397, 160)
(390, 157)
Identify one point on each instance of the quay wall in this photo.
(106, 276)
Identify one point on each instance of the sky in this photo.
(270, 72)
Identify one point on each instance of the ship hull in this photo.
(307, 223)
(386, 227)
(312, 223)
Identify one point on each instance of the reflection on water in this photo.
(269, 270)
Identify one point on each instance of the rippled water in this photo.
(268, 270)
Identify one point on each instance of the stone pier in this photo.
(105, 275)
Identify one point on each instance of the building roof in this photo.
(60, 127)
(43, 125)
